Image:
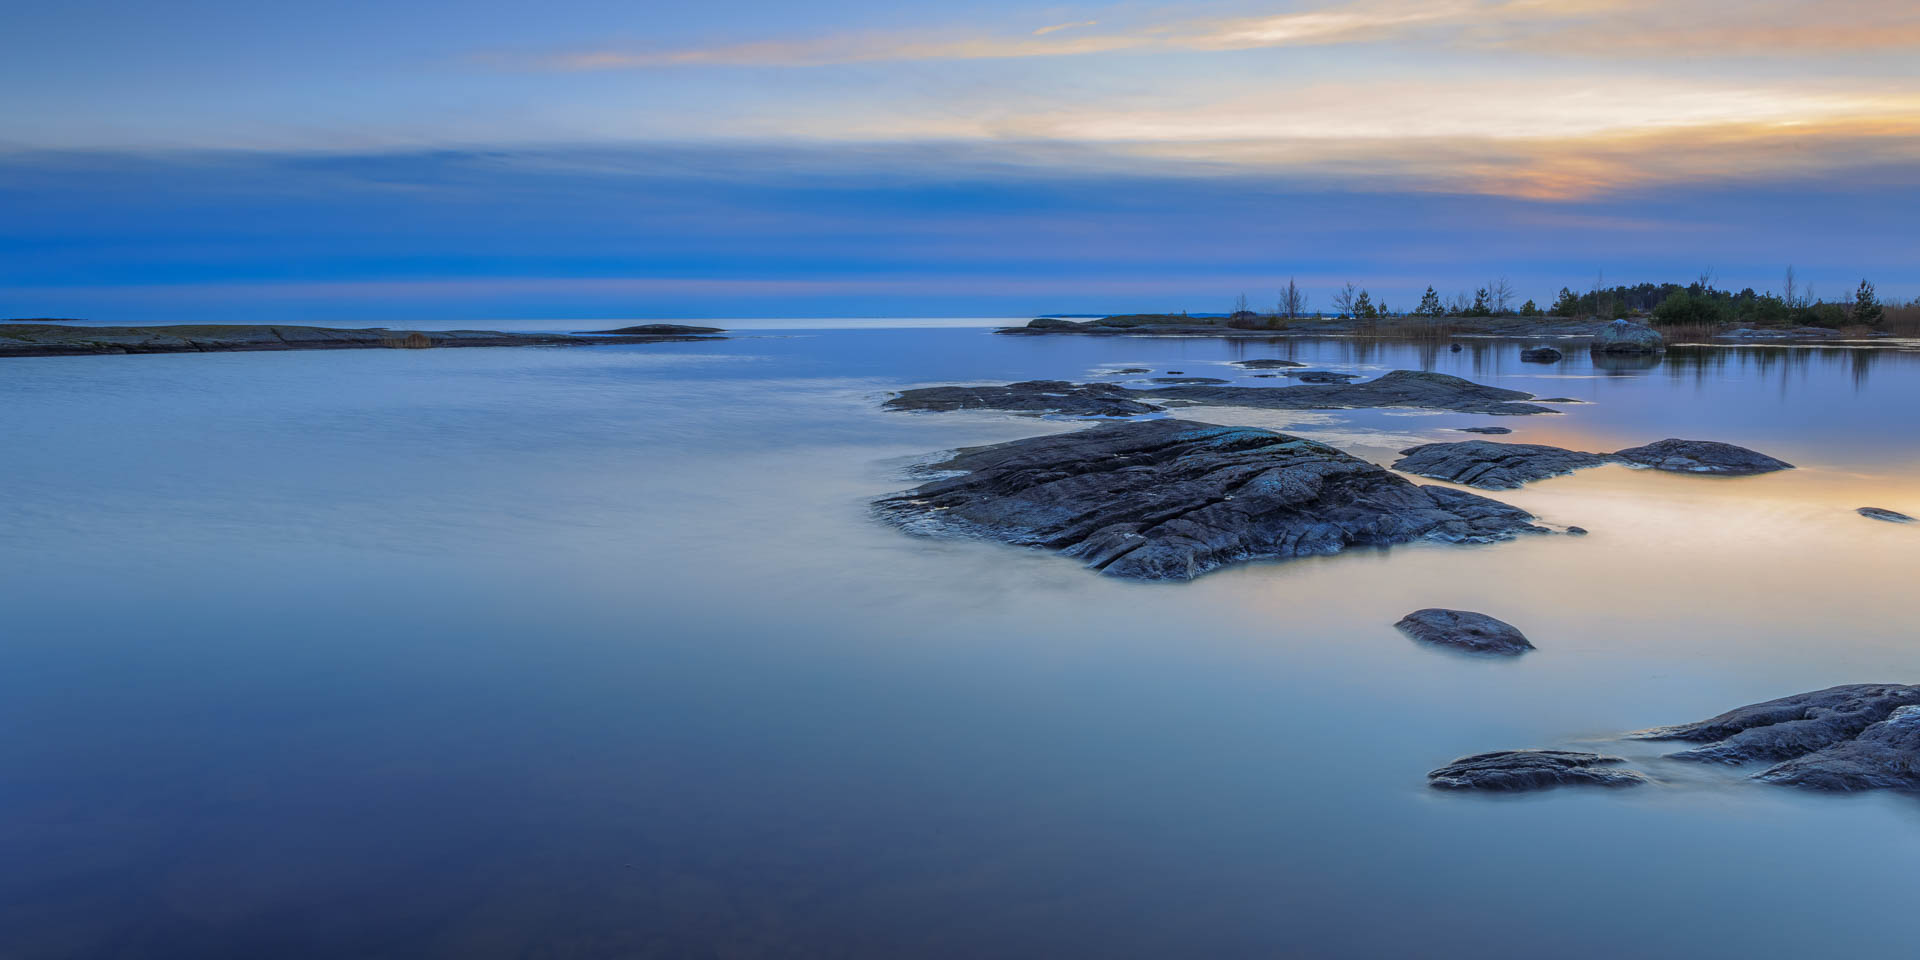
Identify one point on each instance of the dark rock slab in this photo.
(661, 329)
(1491, 465)
(1028, 396)
(1320, 376)
(1625, 336)
(1401, 388)
(1701, 456)
(1489, 430)
(1882, 513)
(1541, 354)
(1516, 770)
(1884, 756)
(1133, 370)
(1789, 727)
(1267, 363)
(1464, 630)
(1188, 380)
(1174, 499)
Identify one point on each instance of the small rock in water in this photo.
(1541, 354)
(1175, 373)
(1491, 465)
(1188, 380)
(1029, 396)
(1514, 770)
(1488, 430)
(1576, 531)
(1267, 363)
(1881, 513)
(1133, 370)
(1465, 630)
(1321, 376)
(1455, 348)
(1701, 456)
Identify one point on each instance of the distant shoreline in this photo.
(39, 339)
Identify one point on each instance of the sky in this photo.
(221, 160)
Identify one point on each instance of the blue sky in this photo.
(230, 161)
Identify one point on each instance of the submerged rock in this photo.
(1173, 499)
(1267, 363)
(1489, 430)
(1492, 465)
(1465, 630)
(1027, 396)
(1513, 770)
(1541, 354)
(1188, 380)
(1860, 736)
(1882, 513)
(1701, 456)
(1625, 336)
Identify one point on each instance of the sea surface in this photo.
(553, 652)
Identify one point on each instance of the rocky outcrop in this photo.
(1515, 770)
(1625, 336)
(42, 340)
(1701, 456)
(1267, 363)
(1859, 736)
(1492, 465)
(1541, 354)
(1028, 396)
(1174, 499)
(1882, 513)
(1401, 388)
(1464, 630)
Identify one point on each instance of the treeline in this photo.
(1699, 303)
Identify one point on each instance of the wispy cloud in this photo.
(1569, 27)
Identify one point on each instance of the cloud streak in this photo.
(1609, 28)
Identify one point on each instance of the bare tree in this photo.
(1501, 293)
(1792, 293)
(1344, 299)
(1602, 297)
(1459, 303)
(1240, 305)
(1293, 301)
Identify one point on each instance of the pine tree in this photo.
(1568, 305)
(1363, 306)
(1866, 307)
(1529, 309)
(1480, 308)
(1430, 305)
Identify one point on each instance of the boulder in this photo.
(1515, 770)
(1464, 630)
(1541, 354)
(1625, 336)
(1701, 456)
(1174, 499)
(1491, 465)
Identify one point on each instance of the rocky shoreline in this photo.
(51, 340)
(1401, 388)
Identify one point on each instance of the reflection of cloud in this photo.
(1607, 28)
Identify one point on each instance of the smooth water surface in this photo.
(597, 652)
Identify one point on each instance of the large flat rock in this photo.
(1464, 630)
(1401, 388)
(1173, 499)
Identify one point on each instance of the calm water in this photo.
(553, 653)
